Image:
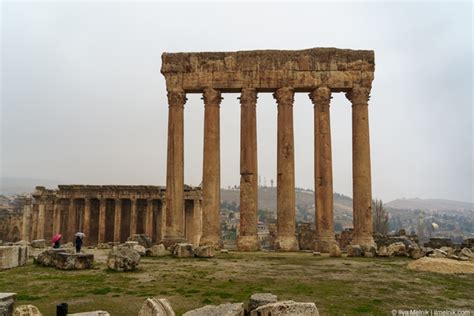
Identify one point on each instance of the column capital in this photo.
(358, 95)
(248, 96)
(284, 96)
(321, 96)
(176, 98)
(211, 97)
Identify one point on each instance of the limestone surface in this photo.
(286, 308)
(38, 243)
(123, 259)
(183, 250)
(204, 252)
(229, 309)
(7, 302)
(27, 310)
(13, 256)
(157, 251)
(156, 307)
(260, 299)
(74, 261)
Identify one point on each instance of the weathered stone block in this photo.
(204, 252)
(183, 250)
(286, 308)
(236, 309)
(397, 249)
(158, 251)
(93, 313)
(260, 299)
(27, 310)
(123, 259)
(13, 256)
(74, 261)
(354, 251)
(38, 243)
(334, 251)
(156, 307)
(7, 302)
(142, 239)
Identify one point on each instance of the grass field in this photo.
(338, 286)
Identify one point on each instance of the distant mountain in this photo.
(11, 186)
(431, 205)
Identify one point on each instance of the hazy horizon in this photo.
(83, 100)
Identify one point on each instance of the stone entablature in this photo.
(303, 70)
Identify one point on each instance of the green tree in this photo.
(380, 217)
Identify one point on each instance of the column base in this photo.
(216, 242)
(248, 243)
(286, 243)
(323, 244)
(364, 241)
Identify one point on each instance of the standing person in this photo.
(78, 244)
(57, 243)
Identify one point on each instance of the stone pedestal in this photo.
(324, 205)
(248, 238)
(362, 187)
(211, 230)
(286, 239)
(175, 167)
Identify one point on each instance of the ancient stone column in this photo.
(117, 219)
(41, 220)
(211, 234)
(26, 221)
(133, 217)
(174, 230)
(102, 209)
(87, 219)
(56, 218)
(71, 221)
(361, 175)
(286, 239)
(149, 218)
(323, 194)
(248, 238)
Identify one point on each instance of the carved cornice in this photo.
(211, 97)
(284, 96)
(358, 96)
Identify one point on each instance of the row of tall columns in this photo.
(38, 219)
(286, 239)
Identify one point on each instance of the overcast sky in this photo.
(83, 100)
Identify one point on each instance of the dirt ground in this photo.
(338, 286)
(442, 265)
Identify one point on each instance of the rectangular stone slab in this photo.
(268, 70)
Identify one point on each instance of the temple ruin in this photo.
(107, 213)
(318, 72)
